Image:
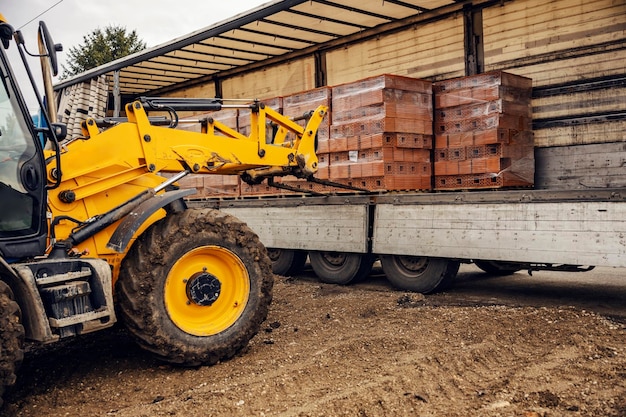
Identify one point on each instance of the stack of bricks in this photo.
(381, 134)
(243, 119)
(211, 185)
(296, 106)
(483, 132)
(243, 126)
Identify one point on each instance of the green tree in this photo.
(100, 47)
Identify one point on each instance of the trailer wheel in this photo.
(339, 267)
(195, 287)
(12, 339)
(498, 268)
(287, 262)
(419, 274)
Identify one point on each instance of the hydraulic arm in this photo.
(107, 173)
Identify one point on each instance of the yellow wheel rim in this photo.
(206, 290)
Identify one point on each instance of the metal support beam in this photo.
(117, 99)
(474, 50)
(320, 69)
(217, 83)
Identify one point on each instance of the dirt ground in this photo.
(364, 350)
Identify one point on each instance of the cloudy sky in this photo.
(156, 21)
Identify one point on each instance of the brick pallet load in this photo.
(381, 134)
(243, 126)
(212, 185)
(296, 106)
(483, 132)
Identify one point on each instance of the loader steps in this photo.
(67, 276)
(71, 304)
(75, 296)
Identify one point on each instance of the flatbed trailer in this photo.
(502, 231)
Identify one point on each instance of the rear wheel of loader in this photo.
(418, 273)
(12, 339)
(287, 262)
(340, 267)
(195, 287)
(498, 268)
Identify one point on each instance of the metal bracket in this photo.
(271, 183)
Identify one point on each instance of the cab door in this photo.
(23, 227)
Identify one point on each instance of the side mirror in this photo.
(49, 63)
(6, 33)
(51, 48)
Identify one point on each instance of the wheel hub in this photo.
(203, 288)
(335, 259)
(273, 254)
(414, 263)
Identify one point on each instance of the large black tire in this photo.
(419, 274)
(498, 268)
(12, 339)
(195, 287)
(287, 262)
(339, 267)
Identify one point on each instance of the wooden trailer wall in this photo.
(280, 80)
(574, 50)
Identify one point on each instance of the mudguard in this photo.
(133, 221)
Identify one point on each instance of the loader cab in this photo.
(23, 227)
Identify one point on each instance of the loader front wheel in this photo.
(12, 339)
(195, 287)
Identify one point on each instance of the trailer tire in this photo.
(195, 287)
(340, 267)
(419, 274)
(12, 339)
(498, 268)
(287, 262)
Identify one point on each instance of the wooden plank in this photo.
(410, 42)
(581, 167)
(431, 50)
(613, 131)
(545, 72)
(289, 78)
(531, 28)
(557, 17)
(328, 228)
(199, 91)
(581, 234)
(542, 40)
(596, 101)
(568, 70)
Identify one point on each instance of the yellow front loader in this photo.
(90, 225)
